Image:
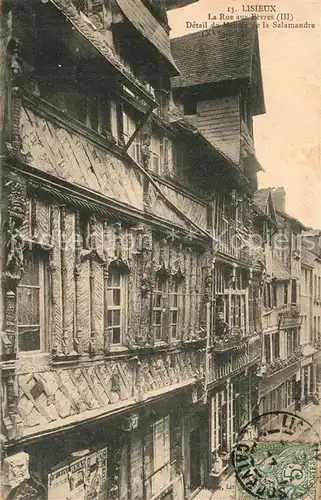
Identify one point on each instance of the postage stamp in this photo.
(277, 456)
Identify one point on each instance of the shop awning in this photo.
(149, 27)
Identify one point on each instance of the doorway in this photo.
(195, 459)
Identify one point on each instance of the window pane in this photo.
(158, 317)
(110, 297)
(116, 318)
(174, 317)
(157, 300)
(110, 318)
(116, 296)
(29, 339)
(28, 306)
(174, 331)
(157, 330)
(174, 300)
(116, 336)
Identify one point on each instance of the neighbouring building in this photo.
(288, 368)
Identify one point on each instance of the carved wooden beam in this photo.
(64, 283)
(77, 329)
(107, 339)
(92, 347)
(52, 275)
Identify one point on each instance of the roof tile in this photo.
(224, 53)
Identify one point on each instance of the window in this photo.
(157, 153)
(236, 311)
(292, 341)
(176, 298)
(162, 99)
(190, 107)
(31, 304)
(276, 345)
(294, 292)
(157, 457)
(267, 348)
(220, 424)
(116, 299)
(274, 291)
(129, 127)
(159, 307)
(285, 294)
(247, 115)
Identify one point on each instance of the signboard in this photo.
(82, 479)
(290, 321)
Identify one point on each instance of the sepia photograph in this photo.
(160, 250)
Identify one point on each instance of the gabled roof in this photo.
(263, 203)
(149, 27)
(307, 257)
(223, 53)
(293, 221)
(98, 41)
(260, 198)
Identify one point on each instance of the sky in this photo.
(288, 136)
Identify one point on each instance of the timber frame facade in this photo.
(131, 285)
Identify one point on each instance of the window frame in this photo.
(161, 291)
(122, 307)
(43, 307)
(129, 126)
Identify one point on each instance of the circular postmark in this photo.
(276, 457)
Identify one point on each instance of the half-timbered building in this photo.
(106, 257)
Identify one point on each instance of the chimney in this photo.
(279, 195)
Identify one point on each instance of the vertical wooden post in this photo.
(107, 339)
(52, 270)
(92, 287)
(10, 340)
(77, 329)
(64, 283)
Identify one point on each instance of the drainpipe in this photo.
(139, 127)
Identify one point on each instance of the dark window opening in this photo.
(285, 294)
(190, 107)
(294, 292)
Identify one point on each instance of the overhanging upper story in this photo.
(220, 87)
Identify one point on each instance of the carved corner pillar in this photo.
(64, 291)
(77, 329)
(146, 285)
(15, 68)
(107, 331)
(146, 135)
(14, 200)
(114, 475)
